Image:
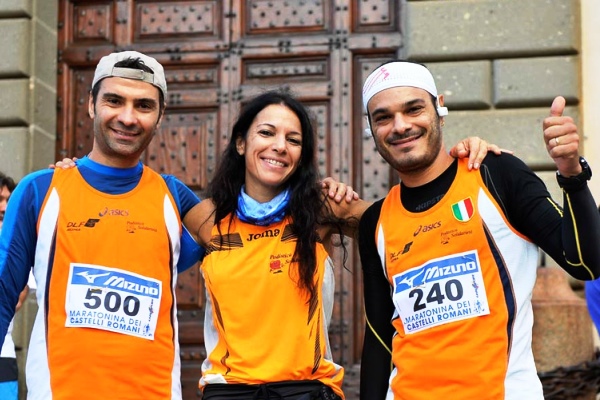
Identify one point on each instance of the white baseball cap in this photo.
(106, 68)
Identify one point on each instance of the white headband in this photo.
(398, 74)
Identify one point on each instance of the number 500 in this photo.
(112, 302)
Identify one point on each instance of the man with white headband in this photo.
(106, 243)
(450, 255)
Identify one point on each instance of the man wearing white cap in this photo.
(106, 242)
(450, 256)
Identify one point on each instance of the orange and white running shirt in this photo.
(105, 266)
(259, 327)
(462, 278)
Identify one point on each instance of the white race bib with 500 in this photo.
(113, 300)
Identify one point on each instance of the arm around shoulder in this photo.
(199, 221)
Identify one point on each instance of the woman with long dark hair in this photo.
(267, 227)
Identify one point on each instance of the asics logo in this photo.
(113, 212)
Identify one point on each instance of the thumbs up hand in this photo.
(562, 139)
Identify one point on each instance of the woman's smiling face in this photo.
(272, 150)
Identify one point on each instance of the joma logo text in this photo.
(266, 234)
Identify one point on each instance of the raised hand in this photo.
(562, 139)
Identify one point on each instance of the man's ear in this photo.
(160, 118)
(441, 110)
(91, 112)
(440, 100)
(240, 146)
(440, 103)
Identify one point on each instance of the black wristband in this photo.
(574, 183)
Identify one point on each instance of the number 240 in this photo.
(453, 290)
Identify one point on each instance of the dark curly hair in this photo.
(7, 181)
(308, 208)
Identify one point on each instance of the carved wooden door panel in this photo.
(217, 54)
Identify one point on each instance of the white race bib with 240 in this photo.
(443, 290)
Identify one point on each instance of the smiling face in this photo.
(406, 128)
(271, 148)
(126, 117)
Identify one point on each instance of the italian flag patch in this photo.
(463, 210)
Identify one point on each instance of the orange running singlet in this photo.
(259, 327)
(462, 279)
(108, 297)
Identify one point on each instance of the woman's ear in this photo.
(240, 146)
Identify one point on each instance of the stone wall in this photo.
(499, 65)
(27, 85)
(590, 85)
(28, 43)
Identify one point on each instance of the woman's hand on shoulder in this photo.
(338, 191)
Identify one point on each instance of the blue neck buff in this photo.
(262, 214)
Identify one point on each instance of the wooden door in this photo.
(217, 54)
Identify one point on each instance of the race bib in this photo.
(113, 300)
(444, 290)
